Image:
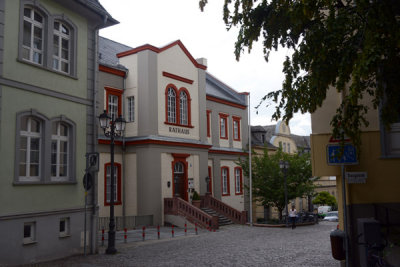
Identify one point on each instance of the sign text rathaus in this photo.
(178, 130)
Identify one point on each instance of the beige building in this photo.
(375, 198)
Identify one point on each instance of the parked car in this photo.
(322, 210)
(331, 216)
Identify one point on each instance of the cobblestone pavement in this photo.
(230, 246)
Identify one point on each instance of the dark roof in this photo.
(95, 6)
(269, 131)
(108, 50)
(301, 141)
(218, 89)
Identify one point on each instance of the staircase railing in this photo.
(179, 207)
(234, 215)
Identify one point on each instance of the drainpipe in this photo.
(123, 161)
(250, 174)
(94, 217)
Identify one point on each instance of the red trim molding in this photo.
(159, 50)
(118, 93)
(208, 123)
(211, 179)
(176, 77)
(213, 151)
(238, 120)
(112, 71)
(225, 102)
(177, 106)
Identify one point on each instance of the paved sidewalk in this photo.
(235, 245)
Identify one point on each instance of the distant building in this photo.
(278, 136)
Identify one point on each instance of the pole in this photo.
(250, 175)
(286, 200)
(346, 240)
(111, 232)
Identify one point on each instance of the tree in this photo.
(325, 199)
(351, 45)
(268, 178)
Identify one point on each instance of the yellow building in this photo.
(378, 195)
(272, 137)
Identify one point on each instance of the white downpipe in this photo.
(250, 178)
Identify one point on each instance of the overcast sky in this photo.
(204, 34)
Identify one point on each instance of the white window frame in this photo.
(31, 48)
(131, 108)
(31, 238)
(58, 138)
(108, 183)
(183, 108)
(29, 135)
(66, 231)
(61, 36)
(224, 174)
(238, 181)
(171, 102)
(113, 106)
(223, 130)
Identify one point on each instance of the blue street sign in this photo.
(349, 156)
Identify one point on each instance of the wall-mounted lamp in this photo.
(169, 184)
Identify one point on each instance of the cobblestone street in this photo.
(230, 246)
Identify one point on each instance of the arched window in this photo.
(32, 40)
(171, 105)
(178, 168)
(61, 47)
(183, 106)
(30, 149)
(59, 151)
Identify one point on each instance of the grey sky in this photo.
(204, 34)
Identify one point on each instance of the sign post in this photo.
(342, 155)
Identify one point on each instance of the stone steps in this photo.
(222, 220)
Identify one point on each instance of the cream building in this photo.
(183, 125)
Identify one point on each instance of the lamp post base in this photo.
(111, 250)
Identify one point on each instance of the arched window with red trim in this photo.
(177, 106)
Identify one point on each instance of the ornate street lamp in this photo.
(284, 165)
(112, 128)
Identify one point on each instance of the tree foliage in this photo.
(268, 178)
(324, 198)
(351, 45)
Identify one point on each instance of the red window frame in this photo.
(208, 123)
(116, 92)
(241, 181)
(227, 182)
(225, 118)
(118, 185)
(177, 106)
(236, 119)
(210, 176)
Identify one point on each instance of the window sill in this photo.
(226, 195)
(388, 157)
(115, 204)
(27, 243)
(178, 125)
(18, 183)
(239, 194)
(237, 140)
(47, 69)
(61, 236)
(223, 138)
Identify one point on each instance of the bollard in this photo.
(172, 231)
(185, 228)
(125, 235)
(102, 237)
(158, 231)
(143, 232)
(195, 227)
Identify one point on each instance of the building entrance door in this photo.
(180, 181)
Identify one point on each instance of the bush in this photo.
(195, 196)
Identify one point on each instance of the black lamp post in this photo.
(208, 185)
(284, 165)
(112, 128)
